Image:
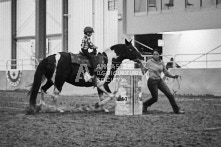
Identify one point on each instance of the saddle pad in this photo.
(80, 59)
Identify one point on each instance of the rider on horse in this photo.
(85, 46)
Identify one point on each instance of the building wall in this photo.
(80, 16)
(25, 18)
(110, 27)
(92, 13)
(54, 16)
(26, 30)
(82, 13)
(5, 32)
(194, 42)
(177, 19)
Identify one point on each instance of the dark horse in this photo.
(59, 68)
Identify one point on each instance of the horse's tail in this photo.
(39, 77)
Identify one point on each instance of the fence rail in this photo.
(206, 60)
(20, 64)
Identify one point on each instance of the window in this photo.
(140, 6)
(146, 6)
(112, 5)
(152, 5)
(208, 3)
(201, 4)
(167, 4)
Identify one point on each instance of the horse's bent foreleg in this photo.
(104, 89)
(101, 98)
(104, 101)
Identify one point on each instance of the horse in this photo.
(58, 68)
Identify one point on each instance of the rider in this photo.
(86, 45)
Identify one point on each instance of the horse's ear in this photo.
(127, 43)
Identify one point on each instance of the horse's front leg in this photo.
(107, 91)
(101, 98)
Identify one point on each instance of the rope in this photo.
(178, 83)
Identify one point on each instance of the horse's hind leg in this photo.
(57, 89)
(55, 99)
(44, 89)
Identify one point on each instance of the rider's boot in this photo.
(94, 80)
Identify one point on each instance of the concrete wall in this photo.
(194, 82)
(5, 32)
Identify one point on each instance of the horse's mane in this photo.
(118, 48)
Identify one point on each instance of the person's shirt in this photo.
(87, 44)
(156, 68)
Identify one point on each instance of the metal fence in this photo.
(20, 64)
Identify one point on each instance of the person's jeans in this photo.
(91, 57)
(154, 85)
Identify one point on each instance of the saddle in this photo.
(101, 58)
(80, 59)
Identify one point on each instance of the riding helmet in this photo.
(88, 30)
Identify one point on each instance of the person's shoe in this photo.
(145, 111)
(144, 108)
(179, 112)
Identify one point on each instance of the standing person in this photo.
(170, 64)
(85, 46)
(155, 67)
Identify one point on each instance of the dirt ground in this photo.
(199, 126)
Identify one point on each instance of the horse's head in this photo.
(119, 52)
(130, 52)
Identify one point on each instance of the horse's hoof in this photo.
(106, 110)
(61, 111)
(96, 105)
(30, 110)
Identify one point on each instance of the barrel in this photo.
(129, 94)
